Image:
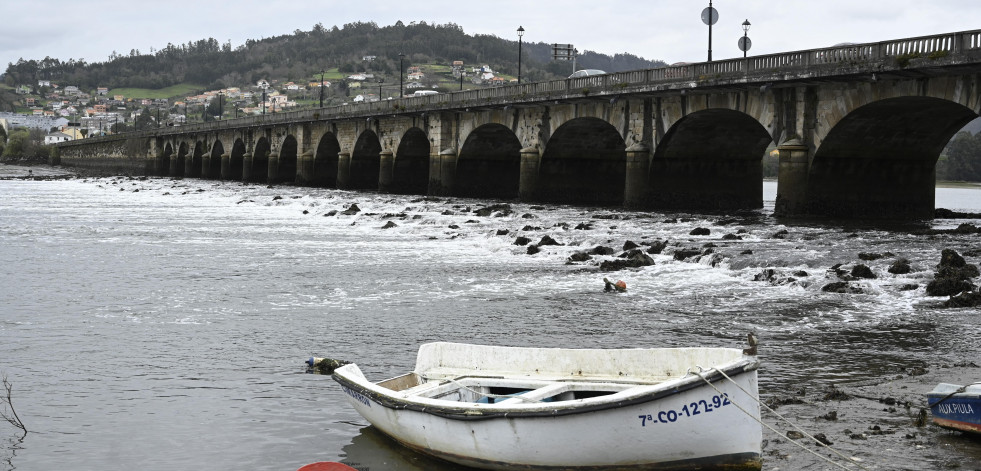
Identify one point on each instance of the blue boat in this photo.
(956, 407)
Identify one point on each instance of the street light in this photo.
(401, 80)
(745, 43)
(321, 88)
(710, 16)
(521, 32)
(221, 106)
(263, 100)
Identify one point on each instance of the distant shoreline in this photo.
(29, 170)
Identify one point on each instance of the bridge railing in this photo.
(679, 76)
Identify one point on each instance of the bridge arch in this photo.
(365, 162)
(584, 162)
(259, 170)
(325, 161)
(881, 158)
(489, 164)
(214, 163)
(286, 167)
(710, 159)
(410, 168)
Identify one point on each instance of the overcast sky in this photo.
(669, 30)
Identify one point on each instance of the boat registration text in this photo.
(703, 406)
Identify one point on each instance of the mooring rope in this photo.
(956, 392)
(801, 445)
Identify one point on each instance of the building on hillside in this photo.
(31, 121)
(44, 83)
(56, 137)
(102, 91)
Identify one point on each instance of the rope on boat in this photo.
(496, 396)
(801, 445)
(956, 392)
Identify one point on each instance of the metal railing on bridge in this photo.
(682, 75)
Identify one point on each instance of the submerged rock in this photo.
(498, 210)
(602, 250)
(352, 210)
(635, 258)
(965, 299)
(863, 271)
(953, 275)
(682, 254)
(547, 240)
(522, 240)
(900, 267)
(700, 231)
(657, 247)
(842, 287)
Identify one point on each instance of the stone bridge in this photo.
(858, 128)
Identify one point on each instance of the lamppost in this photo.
(321, 88)
(521, 32)
(221, 106)
(401, 80)
(263, 101)
(745, 43)
(710, 16)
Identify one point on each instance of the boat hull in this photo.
(689, 425)
(956, 410)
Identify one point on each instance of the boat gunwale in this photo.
(658, 391)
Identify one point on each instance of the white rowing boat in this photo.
(547, 408)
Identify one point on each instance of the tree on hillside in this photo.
(962, 158)
(144, 121)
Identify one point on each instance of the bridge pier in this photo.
(306, 171)
(206, 166)
(386, 169)
(636, 193)
(272, 168)
(442, 172)
(226, 167)
(343, 170)
(247, 166)
(792, 179)
(531, 159)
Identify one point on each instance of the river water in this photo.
(162, 324)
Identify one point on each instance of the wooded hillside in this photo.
(302, 54)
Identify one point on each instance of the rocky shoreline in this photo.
(878, 423)
(28, 170)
